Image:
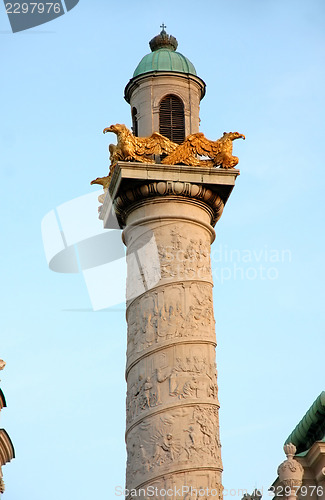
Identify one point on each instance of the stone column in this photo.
(172, 407)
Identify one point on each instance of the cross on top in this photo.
(163, 26)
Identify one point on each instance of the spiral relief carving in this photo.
(172, 407)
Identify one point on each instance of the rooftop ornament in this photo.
(163, 41)
(290, 472)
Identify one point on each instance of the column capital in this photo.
(133, 182)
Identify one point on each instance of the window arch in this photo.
(134, 122)
(172, 118)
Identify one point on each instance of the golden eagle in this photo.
(218, 153)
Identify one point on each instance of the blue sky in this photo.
(62, 83)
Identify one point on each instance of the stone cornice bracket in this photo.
(168, 188)
(290, 472)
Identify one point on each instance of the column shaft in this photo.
(172, 431)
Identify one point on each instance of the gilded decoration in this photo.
(132, 148)
(195, 150)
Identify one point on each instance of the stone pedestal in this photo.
(172, 407)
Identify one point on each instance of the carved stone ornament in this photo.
(169, 315)
(186, 438)
(290, 471)
(189, 485)
(177, 375)
(170, 188)
(142, 149)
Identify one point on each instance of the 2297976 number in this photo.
(33, 8)
(303, 491)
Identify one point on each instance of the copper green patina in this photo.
(164, 57)
(311, 427)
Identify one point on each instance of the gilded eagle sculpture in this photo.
(189, 152)
(132, 148)
(217, 153)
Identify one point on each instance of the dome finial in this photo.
(163, 41)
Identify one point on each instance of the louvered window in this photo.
(171, 118)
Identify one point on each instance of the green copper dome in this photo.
(164, 57)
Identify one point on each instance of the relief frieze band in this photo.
(179, 438)
(177, 311)
(173, 376)
(173, 252)
(133, 360)
(190, 484)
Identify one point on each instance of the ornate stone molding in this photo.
(195, 192)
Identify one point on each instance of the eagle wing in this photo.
(157, 144)
(203, 146)
(187, 153)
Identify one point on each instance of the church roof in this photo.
(164, 57)
(311, 427)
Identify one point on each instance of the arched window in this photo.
(134, 122)
(172, 119)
